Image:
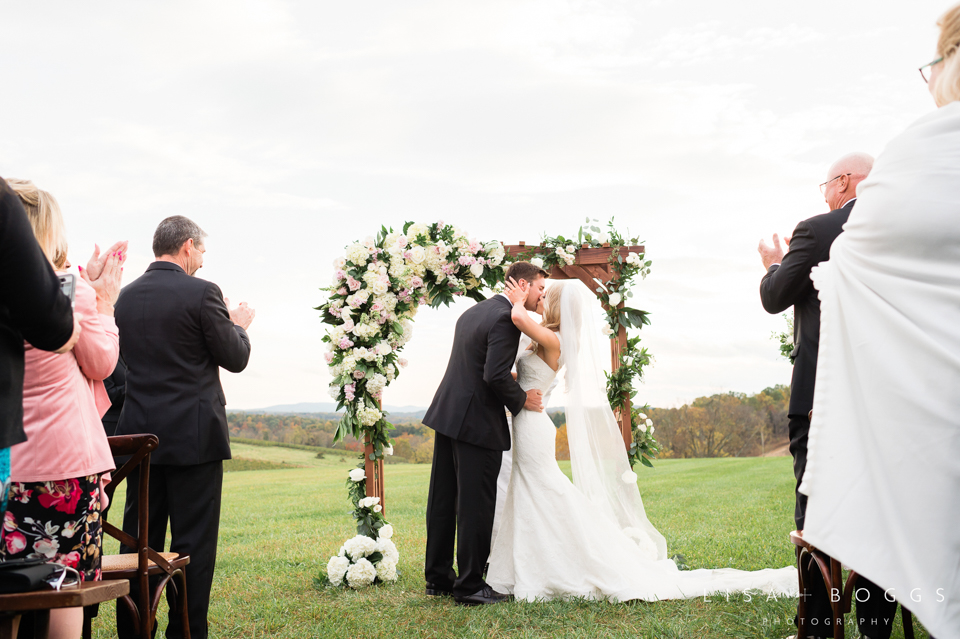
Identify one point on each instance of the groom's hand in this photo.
(534, 401)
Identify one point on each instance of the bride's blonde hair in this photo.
(551, 307)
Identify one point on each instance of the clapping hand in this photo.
(108, 280)
(771, 255)
(516, 292)
(242, 316)
(98, 260)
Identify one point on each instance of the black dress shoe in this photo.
(485, 595)
(434, 590)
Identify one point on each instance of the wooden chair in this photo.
(169, 567)
(832, 573)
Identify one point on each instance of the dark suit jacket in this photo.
(175, 334)
(789, 285)
(468, 406)
(32, 308)
(116, 386)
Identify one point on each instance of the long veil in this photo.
(599, 461)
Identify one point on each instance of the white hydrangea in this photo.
(336, 569)
(368, 416)
(334, 391)
(388, 549)
(376, 383)
(416, 230)
(391, 241)
(358, 254)
(361, 574)
(386, 532)
(387, 570)
(360, 546)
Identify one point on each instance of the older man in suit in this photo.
(787, 283)
(176, 331)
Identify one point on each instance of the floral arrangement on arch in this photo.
(615, 293)
(376, 291)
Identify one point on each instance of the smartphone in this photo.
(68, 285)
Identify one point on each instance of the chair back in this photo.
(138, 447)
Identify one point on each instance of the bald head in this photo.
(844, 175)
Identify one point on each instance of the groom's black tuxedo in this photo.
(472, 433)
(468, 406)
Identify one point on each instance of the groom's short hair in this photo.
(525, 271)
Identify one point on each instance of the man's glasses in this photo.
(823, 187)
(925, 69)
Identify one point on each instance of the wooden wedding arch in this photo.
(591, 264)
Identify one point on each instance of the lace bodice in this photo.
(533, 372)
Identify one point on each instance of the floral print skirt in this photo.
(55, 520)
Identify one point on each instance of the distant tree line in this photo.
(723, 425)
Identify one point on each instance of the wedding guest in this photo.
(116, 386)
(32, 309)
(882, 475)
(176, 331)
(55, 495)
(787, 283)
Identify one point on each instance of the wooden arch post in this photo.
(591, 263)
(595, 263)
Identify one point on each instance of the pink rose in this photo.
(329, 357)
(340, 274)
(466, 260)
(15, 543)
(358, 374)
(377, 306)
(353, 284)
(345, 343)
(475, 246)
(341, 291)
(403, 362)
(416, 282)
(402, 241)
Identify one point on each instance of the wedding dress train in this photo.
(590, 538)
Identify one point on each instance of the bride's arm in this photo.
(522, 320)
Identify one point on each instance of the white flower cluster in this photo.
(646, 424)
(372, 503)
(633, 259)
(352, 566)
(367, 415)
(569, 256)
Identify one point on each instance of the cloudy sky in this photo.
(288, 129)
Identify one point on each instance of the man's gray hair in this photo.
(173, 232)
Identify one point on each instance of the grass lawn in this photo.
(279, 527)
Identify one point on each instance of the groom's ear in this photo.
(522, 283)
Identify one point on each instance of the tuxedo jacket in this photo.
(788, 284)
(175, 334)
(468, 406)
(32, 308)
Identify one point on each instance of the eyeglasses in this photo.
(823, 187)
(927, 68)
(58, 581)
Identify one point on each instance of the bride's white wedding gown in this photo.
(554, 542)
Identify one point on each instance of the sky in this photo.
(289, 129)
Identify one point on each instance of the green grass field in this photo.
(279, 527)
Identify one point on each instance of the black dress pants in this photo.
(189, 497)
(461, 506)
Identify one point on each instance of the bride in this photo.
(591, 537)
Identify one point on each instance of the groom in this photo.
(471, 435)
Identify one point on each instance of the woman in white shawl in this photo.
(883, 472)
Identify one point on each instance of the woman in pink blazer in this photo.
(56, 475)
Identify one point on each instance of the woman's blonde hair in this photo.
(947, 88)
(45, 218)
(551, 307)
